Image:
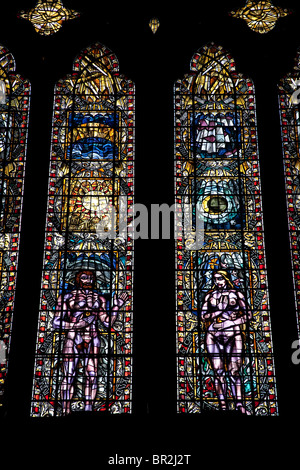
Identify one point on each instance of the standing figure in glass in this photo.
(77, 313)
(225, 310)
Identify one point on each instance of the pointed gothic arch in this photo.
(225, 355)
(84, 340)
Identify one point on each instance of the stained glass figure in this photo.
(225, 357)
(48, 15)
(84, 341)
(14, 112)
(289, 92)
(260, 16)
(154, 25)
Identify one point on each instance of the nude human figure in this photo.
(225, 308)
(76, 314)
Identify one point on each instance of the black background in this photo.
(154, 63)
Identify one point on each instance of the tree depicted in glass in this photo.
(84, 341)
(224, 344)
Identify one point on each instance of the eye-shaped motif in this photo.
(218, 208)
(218, 204)
(215, 205)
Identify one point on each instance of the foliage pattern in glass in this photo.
(84, 341)
(224, 343)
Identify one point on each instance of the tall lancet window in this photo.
(84, 340)
(225, 357)
(289, 99)
(14, 113)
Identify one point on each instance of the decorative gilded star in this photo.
(261, 16)
(48, 15)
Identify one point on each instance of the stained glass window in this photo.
(289, 91)
(48, 15)
(14, 112)
(84, 340)
(154, 25)
(260, 16)
(225, 353)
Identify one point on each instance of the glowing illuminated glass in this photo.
(14, 113)
(260, 16)
(154, 25)
(224, 343)
(289, 91)
(84, 340)
(48, 15)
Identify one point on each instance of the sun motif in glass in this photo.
(262, 16)
(47, 16)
